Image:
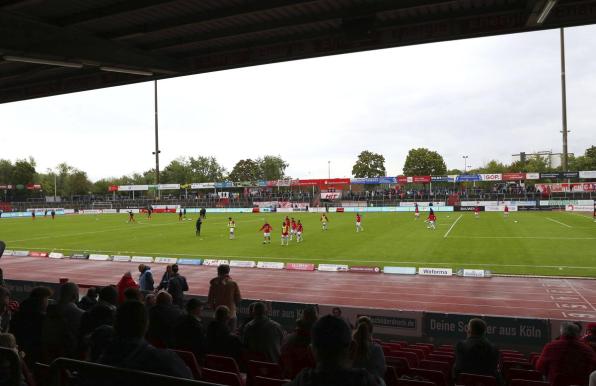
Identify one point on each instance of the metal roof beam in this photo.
(23, 37)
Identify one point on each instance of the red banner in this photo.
(38, 254)
(402, 180)
(514, 176)
(421, 179)
(300, 267)
(324, 182)
(113, 188)
(33, 186)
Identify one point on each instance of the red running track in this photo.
(554, 298)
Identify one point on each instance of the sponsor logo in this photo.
(96, 257)
(38, 254)
(80, 256)
(8, 252)
(587, 174)
(190, 261)
(215, 262)
(300, 267)
(333, 267)
(56, 255)
(435, 271)
(362, 269)
(20, 253)
(491, 177)
(121, 258)
(270, 265)
(165, 260)
(142, 259)
(472, 273)
(242, 264)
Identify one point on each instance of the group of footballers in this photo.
(289, 229)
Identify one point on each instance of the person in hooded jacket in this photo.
(223, 291)
(332, 346)
(126, 282)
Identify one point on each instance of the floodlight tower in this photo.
(157, 151)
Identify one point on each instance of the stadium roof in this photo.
(61, 46)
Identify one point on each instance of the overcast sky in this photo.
(486, 98)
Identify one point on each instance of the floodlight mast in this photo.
(157, 151)
(565, 159)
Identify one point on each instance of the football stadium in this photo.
(242, 268)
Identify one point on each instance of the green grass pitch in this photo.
(540, 243)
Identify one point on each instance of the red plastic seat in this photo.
(190, 361)
(262, 369)
(221, 377)
(427, 348)
(411, 357)
(526, 382)
(419, 353)
(446, 347)
(437, 366)
(436, 377)
(412, 382)
(442, 358)
(530, 375)
(221, 363)
(264, 381)
(465, 379)
(507, 365)
(400, 365)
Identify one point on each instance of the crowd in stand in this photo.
(133, 324)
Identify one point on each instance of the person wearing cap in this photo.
(189, 334)
(332, 344)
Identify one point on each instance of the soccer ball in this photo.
(514, 220)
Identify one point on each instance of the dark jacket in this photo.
(176, 287)
(165, 279)
(264, 336)
(162, 322)
(26, 325)
(566, 357)
(221, 342)
(296, 353)
(86, 303)
(375, 363)
(189, 335)
(335, 377)
(137, 354)
(476, 355)
(146, 282)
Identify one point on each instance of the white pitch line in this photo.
(558, 222)
(452, 225)
(524, 237)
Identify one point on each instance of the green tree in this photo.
(24, 171)
(177, 172)
(206, 169)
(584, 162)
(77, 183)
(246, 170)
(493, 167)
(272, 167)
(368, 165)
(424, 162)
(6, 171)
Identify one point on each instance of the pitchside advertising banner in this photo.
(491, 177)
(580, 187)
(587, 174)
(385, 322)
(373, 181)
(515, 331)
(565, 202)
(283, 313)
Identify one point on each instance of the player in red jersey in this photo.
(359, 223)
(506, 211)
(432, 220)
(416, 211)
(292, 228)
(477, 211)
(285, 231)
(287, 221)
(266, 228)
(299, 230)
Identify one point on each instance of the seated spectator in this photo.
(88, 300)
(295, 352)
(219, 339)
(146, 283)
(566, 356)
(5, 312)
(99, 340)
(223, 291)
(125, 282)
(331, 344)
(8, 341)
(27, 323)
(149, 301)
(263, 335)
(162, 321)
(369, 355)
(108, 296)
(133, 294)
(130, 350)
(189, 333)
(590, 337)
(60, 335)
(476, 355)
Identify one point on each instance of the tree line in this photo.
(70, 181)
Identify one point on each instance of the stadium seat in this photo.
(442, 358)
(419, 353)
(510, 364)
(465, 379)
(446, 347)
(436, 377)
(402, 343)
(411, 357)
(526, 382)
(221, 363)
(400, 365)
(436, 365)
(530, 375)
(427, 348)
(566, 380)
(534, 358)
(413, 382)
(390, 376)
(190, 361)
(221, 377)
(262, 369)
(264, 381)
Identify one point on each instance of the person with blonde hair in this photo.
(369, 355)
